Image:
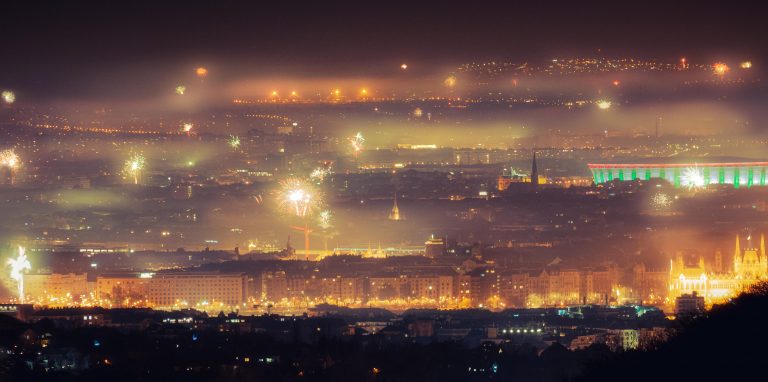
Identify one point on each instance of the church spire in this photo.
(395, 213)
(762, 244)
(737, 252)
(534, 171)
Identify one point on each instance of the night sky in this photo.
(73, 47)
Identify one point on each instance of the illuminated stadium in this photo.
(738, 174)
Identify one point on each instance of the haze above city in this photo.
(538, 191)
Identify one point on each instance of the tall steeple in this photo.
(737, 252)
(534, 171)
(395, 213)
(762, 244)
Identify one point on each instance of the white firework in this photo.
(325, 218)
(693, 178)
(8, 96)
(19, 265)
(319, 174)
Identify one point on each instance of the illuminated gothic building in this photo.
(750, 265)
(395, 213)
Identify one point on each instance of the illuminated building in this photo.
(505, 181)
(123, 289)
(196, 289)
(689, 304)
(434, 247)
(395, 213)
(750, 265)
(737, 174)
(471, 156)
(56, 286)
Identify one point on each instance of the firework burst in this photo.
(19, 265)
(234, 141)
(8, 96)
(325, 219)
(661, 201)
(450, 82)
(693, 178)
(357, 143)
(603, 104)
(9, 159)
(319, 174)
(134, 166)
(720, 68)
(180, 90)
(298, 197)
(187, 128)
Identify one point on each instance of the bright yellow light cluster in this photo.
(720, 68)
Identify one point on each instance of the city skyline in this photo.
(383, 191)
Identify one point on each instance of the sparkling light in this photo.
(450, 81)
(604, 104)
(325, 218)
(661, 201)
(187, 127)
(404, 66)
(9, 159)
(134, 166)
(181, 89)
(320, 173)
(746, 65)
(8, 96)
(201, 72)
(357, 142)
(693, 177)
(298, 197)
(720, 68)
(19, 265)
(234, 141)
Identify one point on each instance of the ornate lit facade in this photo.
(750, 265)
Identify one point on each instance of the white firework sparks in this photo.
(19, 265)
(320, 173)
(357, 142)
(325, 219)
(693, 177)
(9, 159)
(234, 141)
(298, 197)
(8, 96)
(134, 166)
(604, 104)
(661, 201)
